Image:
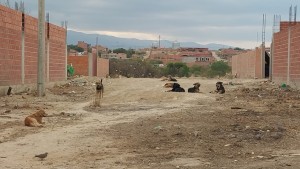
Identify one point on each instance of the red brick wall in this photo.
(103, 67)
(11, 46)
(31, 49)
(80, 64)
(284, 25)
(244, 64)
(280, 56)
(57, 50)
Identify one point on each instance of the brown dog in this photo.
(169, 85)
(35, 119)
(99, 93)
(195, 89)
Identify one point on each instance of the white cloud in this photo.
(227, 21)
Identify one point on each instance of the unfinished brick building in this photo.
(253, 64)
(19, 49)
(286, 54)
(282, 66)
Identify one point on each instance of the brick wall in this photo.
(57, 59)
(11, 49)
(244, 64)
(80, 64)
(31, 49)
(259, 72)
(284, 25)
(280, 56)
(247, 65)
(10, 46)
(102, 67)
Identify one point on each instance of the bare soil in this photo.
(254, 125)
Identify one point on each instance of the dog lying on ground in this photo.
(175, 87)
(99, 93)
(220, 88)
(169, 85)
(35, 119)
(169, 78)
(194, 89)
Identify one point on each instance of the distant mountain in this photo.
(112, 42)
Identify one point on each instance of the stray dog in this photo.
(176, 88)
(9, 91)
(99, 93)
(220, 88)
(194, 89)
(35, 119)
(169, 85)
(169, 78)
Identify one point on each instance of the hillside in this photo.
(115, 42)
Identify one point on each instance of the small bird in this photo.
(42, 156)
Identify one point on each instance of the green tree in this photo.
(197, 70)
(219, 68)
(177, 69)
(75, 47)
(119, 50)
(130, 52)
(237, 48)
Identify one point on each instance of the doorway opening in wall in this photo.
(267, 65)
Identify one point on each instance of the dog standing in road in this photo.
(99, 93)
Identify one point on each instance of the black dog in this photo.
(194, 89)
(220, 88)
(176, 88)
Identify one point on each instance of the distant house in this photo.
(228, 53)
(114, 56)
(101, 49)
(190, 56)
(83, 45)
(197, 56)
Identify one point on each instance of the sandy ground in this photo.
(255, 124)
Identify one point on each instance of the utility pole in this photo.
(41, 49)
(48, 47)
(159, 41)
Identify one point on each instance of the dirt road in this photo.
(253, 125)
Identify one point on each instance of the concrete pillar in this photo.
(48, 60)
(90, 64)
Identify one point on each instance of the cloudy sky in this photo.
(229, 22)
